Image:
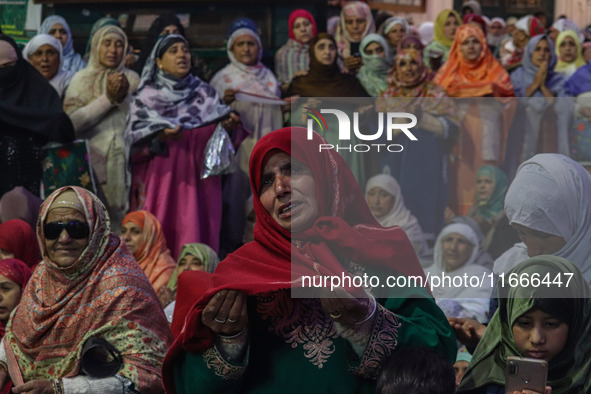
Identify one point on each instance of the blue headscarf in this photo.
(72, 61)
(243, 23)
(580, 82)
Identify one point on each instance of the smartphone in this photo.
(525, 374)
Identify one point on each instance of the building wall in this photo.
(577, 10)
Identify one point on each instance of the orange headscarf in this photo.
(152, 254)
(481, 77)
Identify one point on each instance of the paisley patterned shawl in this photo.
(103, 294)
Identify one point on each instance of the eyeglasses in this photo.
(76, 230)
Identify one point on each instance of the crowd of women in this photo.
(122, 289)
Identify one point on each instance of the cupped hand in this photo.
(226, 314)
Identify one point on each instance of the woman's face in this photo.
(408, 69)
(355, 26)
(65, 249)
(176, 61)
(131, 234)
(553, 34)
(456, 250)
(46, 59)
(59, 31)
(303, 30)
(190, 263)
(538, 242)
(460, 368)
(325, 51)
(5, 254)
(541, 53)
(8, 56)
(111, 51)
(246, 50)
(380, 201)
(288, 192)
(10, 296)
(396, 34)
(170, 29)
(497, 29)
(539, 335)
(450, 27)
(568, 50)
(471, 48)
(484, 187)
(520, 39)
(374, 48)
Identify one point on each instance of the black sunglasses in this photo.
(77, 230)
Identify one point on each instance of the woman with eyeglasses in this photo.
(87, 286)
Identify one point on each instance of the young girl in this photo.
(551, 323)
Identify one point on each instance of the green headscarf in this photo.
(569, 371)
(440, 24)
(203, 252)
(490, 208)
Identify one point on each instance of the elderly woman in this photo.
(424, 187)
(445, 27)
(31, 114)
(377, 62)
(394, 29)
(14, 275)
(356, 22)
(57, 27)
(172, 117)
(97, 101)
(323, 221)
(18, 241)
(386, 203)
(44, 52)
(293, 58)
(87, 286)
(457, 253)
(472, 71)
(143, 236)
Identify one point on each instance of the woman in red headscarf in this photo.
(472, 71)
(144, 238)
(14, 275)
(18, 240)
(261, 327)
(293, 58)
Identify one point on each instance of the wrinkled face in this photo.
(325, 52)
(246, 50)
(10, 296)
(111, 51)
(374, 48)
(380, 201)
(541, 53)
(460, 368)
(46, 59)
(131, 234)
(59, 31)
(471, 48)
(303, 30)
(288, 192)
(190, 263)
(568, 50)
(65, 249)
(538, 242)
(539, 335)
(408, 70)
(176, 61)
(450, 27)
(456, 251)
(484, 187)
(396, 34)
(8, 56)
(355, 26)
(170, 29)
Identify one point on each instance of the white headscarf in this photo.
(399, 215)
(427, 32)
(62, 78)
(551, 193)
(71, 60)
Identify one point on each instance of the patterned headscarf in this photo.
(477, 78)
(71, 60)
(163, 101)
(204, 253)
(342, 38)
(15, 270)
(103, 293)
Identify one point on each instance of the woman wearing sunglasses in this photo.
(88, 285)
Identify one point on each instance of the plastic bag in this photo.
(219, 154)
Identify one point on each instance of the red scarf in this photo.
(345, 228)
(18, 238)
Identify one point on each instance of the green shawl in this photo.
(203, 252)
(490, 209)
(569, 371)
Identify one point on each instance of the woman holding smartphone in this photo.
(549, 322)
